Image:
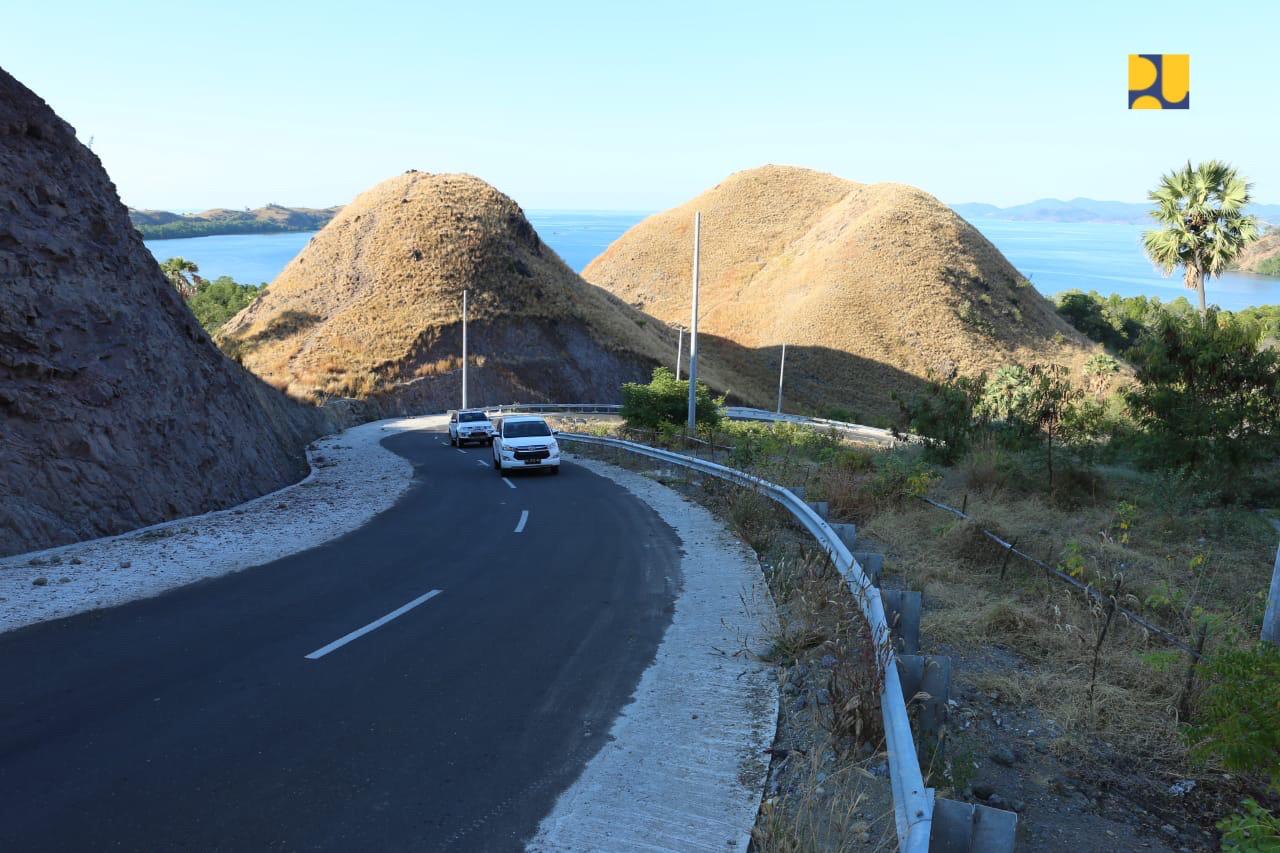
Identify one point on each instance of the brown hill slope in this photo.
(371, 308)
(1262, 256)
(871, 287)
(116, 410)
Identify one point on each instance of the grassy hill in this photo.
(1263, 257)
(872, 287)
(274, 218)
(371, 308)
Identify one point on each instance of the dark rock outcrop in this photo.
(116, 410)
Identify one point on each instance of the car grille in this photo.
(532, 453)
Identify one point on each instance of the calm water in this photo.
(1056, 256)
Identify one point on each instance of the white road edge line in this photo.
(524, 517)
(372, 626)
(508, 482)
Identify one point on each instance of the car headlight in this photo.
(510, 454)
(555, 449)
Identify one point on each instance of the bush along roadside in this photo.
(1104, 693)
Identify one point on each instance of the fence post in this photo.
(1102, 638)
(1004, 566)
(1184, 701)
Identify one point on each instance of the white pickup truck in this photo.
(525, 442)
(470, 425)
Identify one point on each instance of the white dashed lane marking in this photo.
(508, 482)
(524, 518)
(372, 626)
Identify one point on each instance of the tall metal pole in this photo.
(692, 425)
(464, 349)
(1271, 619)
(781, 369)
(679, 350)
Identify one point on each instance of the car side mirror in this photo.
(555, 432)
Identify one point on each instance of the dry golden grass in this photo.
(871, 286)
(1156, 546)
(1267, 247)
(374, 301)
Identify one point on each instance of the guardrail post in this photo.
(926, 682)
(848, 533)
(971, 828)
(822, 508)
(902, 610)
(872, 563)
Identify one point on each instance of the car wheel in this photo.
(497, 466)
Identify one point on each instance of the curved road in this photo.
(196, 720)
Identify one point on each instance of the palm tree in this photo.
(176, 270)
(1204, 224)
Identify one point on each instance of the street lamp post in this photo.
(464, 349)
(781, 369)
(679, 350)
(691, 426)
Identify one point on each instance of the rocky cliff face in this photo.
(116, 410)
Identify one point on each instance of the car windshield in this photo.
(468, 417)
(526, 429)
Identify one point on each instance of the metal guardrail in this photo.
(535, 408)
(912, 801)
(737, 413)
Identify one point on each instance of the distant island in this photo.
(1084, 210)
(272, 219)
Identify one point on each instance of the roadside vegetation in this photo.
(1139, 481)
(213, 302)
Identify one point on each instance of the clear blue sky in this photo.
(641, 105)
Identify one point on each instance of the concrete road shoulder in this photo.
(685, 766)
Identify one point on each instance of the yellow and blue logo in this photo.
(1159, 81)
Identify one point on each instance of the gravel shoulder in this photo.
(353, 478)
(685, 765)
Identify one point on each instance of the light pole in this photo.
(691, 426)
(781, 369)
(464, 349)
(679, 350)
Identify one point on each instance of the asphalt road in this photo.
(196, 720)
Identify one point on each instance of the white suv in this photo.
(470, 425)
(525, 442)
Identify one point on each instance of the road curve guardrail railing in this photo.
(737, 413)
(912, 801)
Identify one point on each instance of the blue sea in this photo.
(1055, 256)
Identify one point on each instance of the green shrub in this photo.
(666, 400)
(1238, 714)
(1254, 830)
(215, 302)
(1208, 401)
(942, 415)
(899, 476)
